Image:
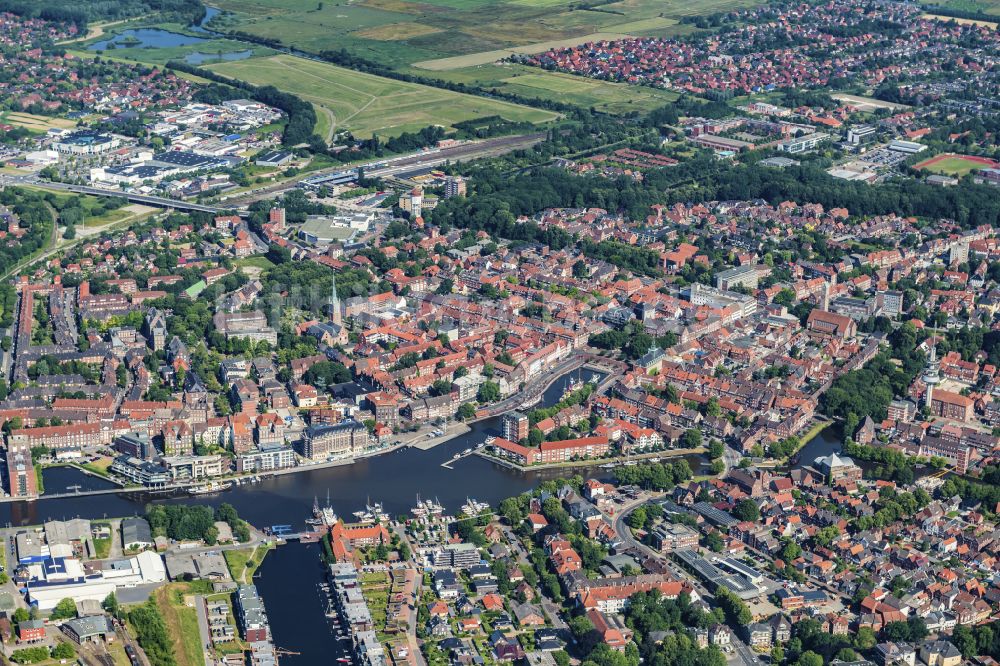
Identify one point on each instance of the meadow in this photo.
(991, 7)
(439, 37)
(421, 31)
(366, 104)
(604, 96)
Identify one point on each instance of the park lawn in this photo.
(109, 217)
(259, 261)
(99, 466)
(182, 623)
(250, 559)
(368, 104)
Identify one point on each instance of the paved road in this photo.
(206, 636)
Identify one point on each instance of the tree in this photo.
(716, 449)
(691, 438)
(637, 519)
(865, 638)
(63, 651)
(714, 542)
(441, 387)
(734, 608)
(465, 411)
(110, 604)
(810, 658)
(21, 615)
(64, 610)
(747, 510)
(791, 551)
(152, 633)
(31, 655)
(488, 392)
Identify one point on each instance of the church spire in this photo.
(335, 314)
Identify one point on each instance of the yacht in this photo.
(474, 507)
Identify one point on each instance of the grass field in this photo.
(399, 33)
(950, 164)
(243, 563)
(35, 122)
(605, 96)
(484, 57)
(367, 104)
(259, 262)
(988, 24)
(982, 6)
(182, 623)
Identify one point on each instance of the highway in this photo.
(158, 202)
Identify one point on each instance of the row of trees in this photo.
(655, 476)
(30, 207)
(152, 633)
(80, 12)
(184, 523)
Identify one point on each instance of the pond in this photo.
(146, 38)
(200, 58)
(202, 26)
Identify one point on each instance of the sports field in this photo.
(950, 164)
(367, 104)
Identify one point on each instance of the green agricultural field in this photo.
(981, 6)
(367, 104)
(399, 33)
(607, 97)
(447, 38)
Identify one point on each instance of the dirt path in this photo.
(333, 122)
(96, 30)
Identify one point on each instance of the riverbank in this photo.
(819, 426)
(237, 479)
(608, 463)
(428, 443)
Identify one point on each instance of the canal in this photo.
(394, 479)
(288, 582)
(290, 576)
